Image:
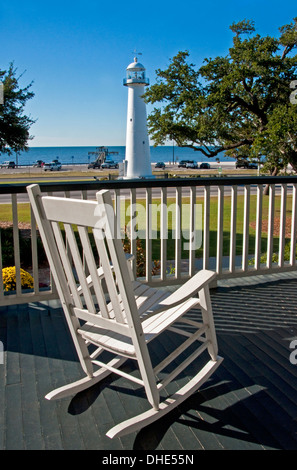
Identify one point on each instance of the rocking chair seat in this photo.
(152, 326)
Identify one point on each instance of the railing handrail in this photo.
(16, 188)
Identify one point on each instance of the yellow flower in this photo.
(9, 279)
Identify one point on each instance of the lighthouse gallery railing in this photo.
(174, 227)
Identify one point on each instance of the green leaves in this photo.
(14, 124)
(230, 102)
(288, 37)
(243, 27)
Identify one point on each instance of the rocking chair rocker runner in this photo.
(111, 311)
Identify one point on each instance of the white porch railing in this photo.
(185, 224)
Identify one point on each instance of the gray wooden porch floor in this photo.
(249, 403)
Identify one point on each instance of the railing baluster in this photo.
(206, 227)
(270, 225)
(133, 248)
(192, 231)
(219, 264)
(163, 233)
(293, 227)
(52, 282)
(84, 194)
(178, 237)
(233, 229)
(148, 244)
(117, 209)
(35, 270)
(246, 221)
(282, 226)
(16, 243)
(258, 226)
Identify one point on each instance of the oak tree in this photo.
(235, 103)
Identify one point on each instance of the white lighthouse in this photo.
(137, 142)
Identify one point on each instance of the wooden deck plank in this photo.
(33, 438)
(116, 409)
(265, 408)
(14, 414)
(231, 429)
(183, 435)
(171, 434)
(52, 325)
(93, 399)
(13, 402)
(245, 406)
(48, 415)
(3, 339)
(272, 378)
(13, 371)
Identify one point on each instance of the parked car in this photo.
(204, 166)
(8, 164)
(160, 165)
(38, 164)
(109, 164)
(192, 165)
(94, 165)
(55, 165)
(246, 164)
(183, 163)
(253, 166)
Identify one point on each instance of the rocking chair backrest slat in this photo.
(109, 277)
(84, 215)
(78, 264)
(66, 263)
(93, 269)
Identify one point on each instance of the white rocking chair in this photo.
(114, 312)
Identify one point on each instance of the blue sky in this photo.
(76, 53)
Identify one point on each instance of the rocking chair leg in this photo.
(86, 382)
(148, 417)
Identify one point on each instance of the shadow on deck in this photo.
(249, 403)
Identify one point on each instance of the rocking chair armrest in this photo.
(185, 292)
(190, 288)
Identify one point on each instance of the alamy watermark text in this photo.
(145, 222)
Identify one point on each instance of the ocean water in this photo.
(80, 155)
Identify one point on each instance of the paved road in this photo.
(6, 198)
(39, 174)
(84, 167)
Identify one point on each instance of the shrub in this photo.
(274, 259)
(25, 249)
(140, 256)
(9, 279)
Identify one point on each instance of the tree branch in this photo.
(212, 153)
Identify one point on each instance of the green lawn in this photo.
(24, 216)
(226, 227)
